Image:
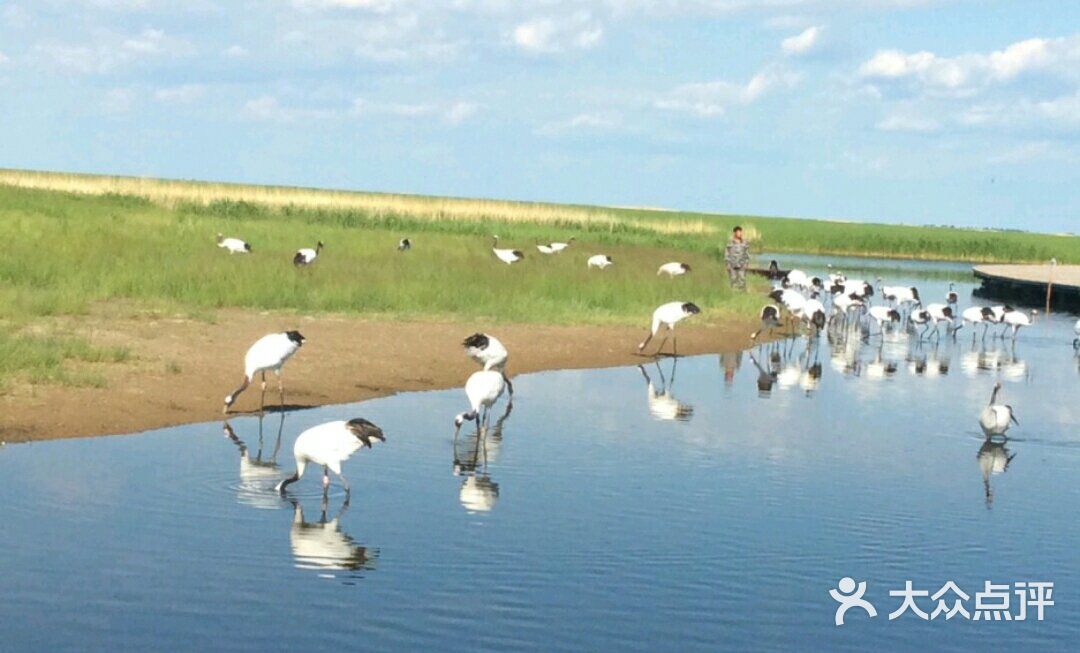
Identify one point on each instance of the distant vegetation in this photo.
(700, 232)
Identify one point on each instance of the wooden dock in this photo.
(1026, 284)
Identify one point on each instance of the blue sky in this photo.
(963, 113)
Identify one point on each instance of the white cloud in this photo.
(235, 51)
(378, 6)
(267, 108)
(118, 100)
(110, 51)
(1060, 112)
(453, 113)
(803, 42)
(903, 122)
(3, 58)
(550, 35)
(183, 94)
(582, 123)
(460, 111)
(710, 99)
(965, 74)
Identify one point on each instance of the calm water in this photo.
(712, 511)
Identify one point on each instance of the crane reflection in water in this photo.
(472, 453)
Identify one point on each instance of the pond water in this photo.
(700, 505)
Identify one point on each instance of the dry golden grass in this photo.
(170, 193)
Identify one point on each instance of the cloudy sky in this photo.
(962, 112)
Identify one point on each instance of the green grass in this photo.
(64, 253)
(47, 358)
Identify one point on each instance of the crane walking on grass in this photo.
(600, 261)
(508, 256)
(669, 315)
(404, 245)
(307, 256)
(233, 245)
(268, 354)
(673, 269)
(329, 445)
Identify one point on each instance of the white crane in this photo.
(544, 249)
(329, 445)
(899, 295)
(882, 315)
(844, 304)
(920, 317)
(951, 298)
(404, 245)
(600, 261)
(975, 315)
(796, 278)
(673, 269)
(857, 287)
(669, 315)
(507, 256)
(558, 247)
(813, 313)
(233, 245)
(995, 418)
(941, 313)
(489, 352)
(770, 319)
(307, 255)
(791, 300)
(1017, 319)
(483, 389)
(268, 354)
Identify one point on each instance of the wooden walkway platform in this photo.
(1026, 284)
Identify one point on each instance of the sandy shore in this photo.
(181, 369)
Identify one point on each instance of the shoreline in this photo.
(181, 369)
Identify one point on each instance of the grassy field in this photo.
(74, 241)
(699, 232)
(66, 253)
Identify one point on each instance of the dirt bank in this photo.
(181, 369)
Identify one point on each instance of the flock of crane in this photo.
(847, 305)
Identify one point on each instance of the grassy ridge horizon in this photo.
(692, 230)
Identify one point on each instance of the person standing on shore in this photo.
(737, 255)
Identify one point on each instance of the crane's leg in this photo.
(345, 484)
(674, 344)
(262, 398)
(660, 349)
(325, 480)
(281, 389)
(509, 385)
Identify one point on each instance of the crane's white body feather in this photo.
(268, 354)
(673, 269)
(599, 261)
(234, 245)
